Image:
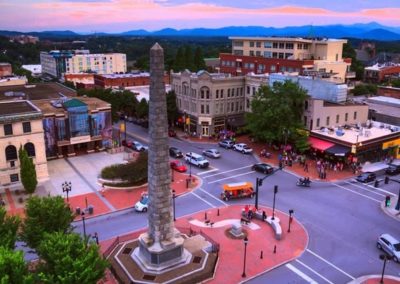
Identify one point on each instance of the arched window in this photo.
(11, 153)
(30, 149)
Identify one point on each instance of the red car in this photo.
(178, 166)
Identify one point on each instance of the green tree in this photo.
(199, 63)
(69, 260)
(8, 229)
(188, 58)
(396, 83)
(364, 90)
(276, 112)
(13, 269)
(179, 63)
(45, 215)
(27, 171)
(356, 66)
(142, 109)
(172, 109)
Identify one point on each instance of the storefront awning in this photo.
(338, 150)
(319, 144)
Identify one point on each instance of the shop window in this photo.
(8, 129)
(11, 153)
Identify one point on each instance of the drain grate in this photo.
(149, 277)
(126, 251)
(196, 259)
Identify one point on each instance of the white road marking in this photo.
(230, 177)
(226, 204)
(355, 192)
(206, 172)
(313, 271)
(382, 190)
(301, 274)
(330, 263)
(221, 173)
(363, 188)
(203, 200)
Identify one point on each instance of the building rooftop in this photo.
(15, 108)
(143, 92)
(36, 92)
(298, 39)
(33, 68)
(378, 66)
(385, 101)
(127, 75)
(358, 134)
(54, 107)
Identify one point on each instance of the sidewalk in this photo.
(375, 279)
(391, 210)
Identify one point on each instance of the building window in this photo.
(237, 52)
(14, 178)
(30, 149)
(251, 53)
(232, 106)
(355, 115)
(216, 108)
(237, 106)
(217, 94)
(268, 44)
(202, 109)
(229, 93)
(233, 92)
(251, 43)
(299, 46)
(274, 54)
(273, 68)
(346, 117)
(247, 103)
(8, 129)
(289, 45)
(258, 44)
(248, 90)
(207, 109)
(281, 45)
(327, 121)
(26, 126)
(258, 53)
(337, 118)
(238, 43)
(222, 94)
(254, 91)
(281, 55)
(287, 55)
(274, 45)
(317, 122)
(11, 153)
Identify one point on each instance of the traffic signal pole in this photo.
(259, 182)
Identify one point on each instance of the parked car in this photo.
(393, 169)
(126, 143)
(243, 148)
(197, 160)
(227, 144)
(212, 153)
(178, 166)
(263, 168)
(366, 177)
(390, 245)
(175, 152)
(143, 204)
(137, 146)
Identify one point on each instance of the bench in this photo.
(244, 220)
(208, 223)
(276, 227)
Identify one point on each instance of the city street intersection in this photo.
(343, 218)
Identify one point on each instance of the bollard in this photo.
(218, 212)
(261, 255)
(274, 248)
(205, 215)
(187, 182)
(386, 180)
(376, 183)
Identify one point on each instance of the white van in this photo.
(196, 160)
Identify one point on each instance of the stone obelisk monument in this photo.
(162, 246)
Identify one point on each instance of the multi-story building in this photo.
(13, 81)
(57, 63)
(277, 54)
(319, 88)
(381, 72)
(124, 80)
(24, 39)
(5, 69)
(214, 102)
(20, 126)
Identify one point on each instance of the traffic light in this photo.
(260, 181)
(387, 201)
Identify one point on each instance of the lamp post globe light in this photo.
(245, 241)
(66, 187)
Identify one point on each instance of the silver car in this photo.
(390, 245)
(212, 153)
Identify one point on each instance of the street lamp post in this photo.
(126, 117)
(273, 205)
(291, 211)
(385, 258)
(66, 187)
(173, 202)
(84, 225)
(245, 241)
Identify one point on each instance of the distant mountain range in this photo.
(370, 31)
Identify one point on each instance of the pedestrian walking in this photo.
(306, 167)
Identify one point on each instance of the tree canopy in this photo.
(8, 229)
(45, 215)
(13, 269)
(172, 109)
(277, 113)
(28, 171)
(69, 260)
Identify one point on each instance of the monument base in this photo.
(161, 256)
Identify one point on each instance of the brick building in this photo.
(381, 72)
(389, 92)
(124, 80)
(5, 69)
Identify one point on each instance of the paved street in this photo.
(343, 218)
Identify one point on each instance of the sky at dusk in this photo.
(124, 15)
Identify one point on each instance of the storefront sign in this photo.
(80, 139)
(353, 149)
(390, 144)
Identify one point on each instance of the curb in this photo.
(362, 279)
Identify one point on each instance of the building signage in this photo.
(390, 144)
(80, 139)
